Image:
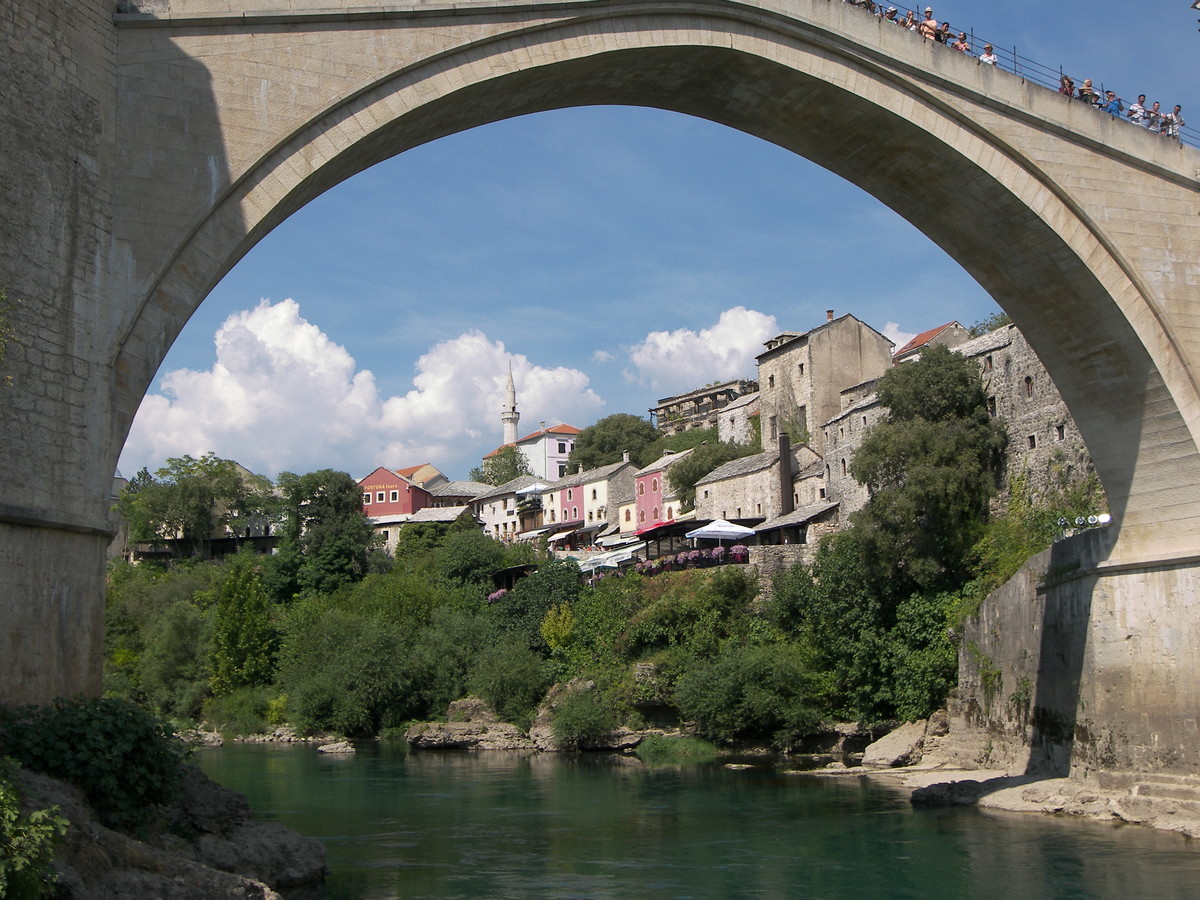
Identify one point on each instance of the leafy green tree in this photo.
(323, 519)
(192, 500)
(605, 441)
(706, 458)
(503, 466)
(469, 559)
(244, 641)
(931, 467)
(996, 320)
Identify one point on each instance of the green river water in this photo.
(498, 825)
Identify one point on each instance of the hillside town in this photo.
(808, 411)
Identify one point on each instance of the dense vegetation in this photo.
(320, 638)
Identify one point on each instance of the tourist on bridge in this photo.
(1137, 111)
(929, 28)
(1112, 103)
(1154, 117)
(1087, 93)
(890, 14)
(987, 56)
(909, 21)
(1066, 86)
(1173, 122)
(962, 45)
(943, 36)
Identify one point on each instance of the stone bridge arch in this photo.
(220, 124)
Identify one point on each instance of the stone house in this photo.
(801, 376)
(949, 335)
(546, 450)
(512, 508)
(754, 488)
(699, 408)
(739, 422)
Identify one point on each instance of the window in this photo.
(394, 496)
(574, 513)
(987, 363)
(770, 381)
(385, 534)
(551, 515)
(864, 420)
(992, 407)
(593, 493)
(655, 514)
(843, 467)
(627, 515)
(758, 509)
(641, 515)
(654, 486)
(1033, 442)
(367, 499)
(739, 512)
(379, 496)
(822, 492)
(670, 514)
(570, 494)
(641, 488)
(562, 470)
(1060, 432)
(800, 367)
(706, 493)
(1028, 386)
(774, 421)
(841, 433)
(562, 446)
(589, 515)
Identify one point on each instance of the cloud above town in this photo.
(682, 360)
(892, 332)
(282, 396)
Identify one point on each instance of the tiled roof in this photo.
(797, 517)
(739, 467)
(437, 514)
(600, 473)
(461, 489)
(511, 487)
(568, 430)
(663, 462)
(986, 343)
(924, 338)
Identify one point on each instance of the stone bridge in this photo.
(146, 149)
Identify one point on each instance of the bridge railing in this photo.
(1008, 59)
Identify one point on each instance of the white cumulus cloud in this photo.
(892, 332)
(684, 359)
(282, 396)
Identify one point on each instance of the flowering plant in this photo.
(718, 553)
(496, 595)
(739, 551)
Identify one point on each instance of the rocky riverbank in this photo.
(204, 845)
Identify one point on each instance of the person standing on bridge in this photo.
(1137, 111)
(1154, 117)
(1087, 93)
(909, 21)
(1173, 123)
(962, 45)
(929, 28)
(987, 56)
(1111, 104)
(890, 15)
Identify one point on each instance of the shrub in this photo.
(241, 712)
(123, 758)
(752, 692)
(26, 843)
(582, 717)
(660, 750)
(512, 679)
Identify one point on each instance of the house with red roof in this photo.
(949, 335)
(388, 493)
(546, 450)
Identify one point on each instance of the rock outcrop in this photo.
(902, 747)
(471, 725)
(204, 845)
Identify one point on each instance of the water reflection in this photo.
(499, 825)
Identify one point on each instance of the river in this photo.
(497, 825)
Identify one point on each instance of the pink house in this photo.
(387, 493)
(654, 499)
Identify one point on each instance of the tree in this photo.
(931, 467)
(603, 442)
(502, 466)
(991, 323)
(243, 641)
(192, 499)
(325, 521)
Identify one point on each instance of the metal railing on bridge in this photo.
(1008, 59)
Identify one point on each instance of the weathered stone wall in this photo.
(1078, 667)
(768, 560)
(57, 449)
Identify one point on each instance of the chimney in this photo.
(580, 470)
(625, 456)
(786, 501)
(829, 315)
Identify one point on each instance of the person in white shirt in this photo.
(1137, 111)
(988, 56)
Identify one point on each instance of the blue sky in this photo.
(611, 255)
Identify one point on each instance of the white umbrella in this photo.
(721, 530)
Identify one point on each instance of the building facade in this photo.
(699, 408)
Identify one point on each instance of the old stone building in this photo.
(698, 408)
(738, 423)
(1044, 445)
(801, 376)
(752, 488)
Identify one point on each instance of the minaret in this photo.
(508, 413)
